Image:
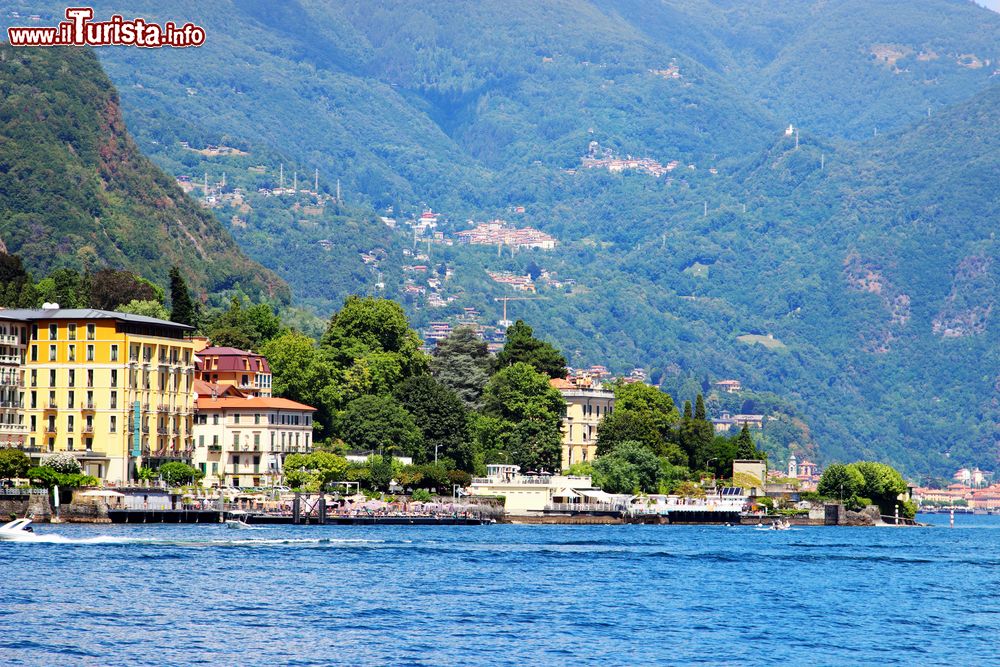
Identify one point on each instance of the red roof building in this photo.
(247, 371)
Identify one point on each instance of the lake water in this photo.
(502, 595)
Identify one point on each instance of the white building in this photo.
(528, 494)
(242, 441)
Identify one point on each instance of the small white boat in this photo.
(18, 530)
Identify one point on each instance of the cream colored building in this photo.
(529, 494)
(243, 440)
(586, 405)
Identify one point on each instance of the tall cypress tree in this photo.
(183, 309)
(699, 409)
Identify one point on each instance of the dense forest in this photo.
(849, 266)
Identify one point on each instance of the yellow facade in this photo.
(585, 408)
(82, 378)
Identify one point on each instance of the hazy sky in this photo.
(992, 4)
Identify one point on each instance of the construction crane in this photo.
(505, 322)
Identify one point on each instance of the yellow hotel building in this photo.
(114, 389)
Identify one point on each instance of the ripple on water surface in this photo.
(501, 595)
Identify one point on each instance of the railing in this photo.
(52, 405)
(13, 359)
(163, 407)
(584, 507)
(92, 453)
(88, 429)
(215, 448)
(11, 404)
(50, 430)
(13, 428)
(88, 405)
(8, 339)
(11, 380)
(161, 430)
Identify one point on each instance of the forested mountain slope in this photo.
(76, 192)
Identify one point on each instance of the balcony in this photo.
(52, 405)
(215, 448)
(163, 407)
(50, 430)
(88, 406)
(88, 429)
(11, 380)
(10, 359)
(161, 430)
(13, 428)
(145, 407)
(91, 454)
(8, 339)
(11, 405)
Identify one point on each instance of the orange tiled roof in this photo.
(209, 403)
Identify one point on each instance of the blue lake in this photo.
(502, 595)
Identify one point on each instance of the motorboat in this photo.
(238, 520)
(17, 530)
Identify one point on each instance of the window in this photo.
(69, 403)
(256, 419)
(72, 352)
(236, 439)
(90, 353)
(53, 332)
(72, 378)
(256, 440)
(34, 353)
(114, 423)
(69, 444)
(71, 331)
(90, 400)
(52, 352)
(52, 377)
(114, 377)
(215, 419)
(52, 399)
(201, 442)
(114, 400)
(34, 399)
(90, 377)
(91, 330)
(33, 424)
(114, 353)
(236, 418)
(215, 467)
(69, 423)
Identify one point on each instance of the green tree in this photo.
(629, 468)
(841, 481)
(882, 483)
(176, 473)
(380, 424)
(522, 346)
(110, 288)
(13, 463)
(462, 363)
(146, 309)
(182, 307)
(323, 467)
(244, 327)
(745, 446)
(300, 372)
(524, 399)
(441, 417)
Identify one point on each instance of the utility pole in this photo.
(505, 322)
(705, 214)
(316, 181)
(796, 138)
(281, 176)
(295, 180)
(338, 190)
(822, 161)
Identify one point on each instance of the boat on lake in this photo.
(18, 530)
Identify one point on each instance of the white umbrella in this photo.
(103, 493)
